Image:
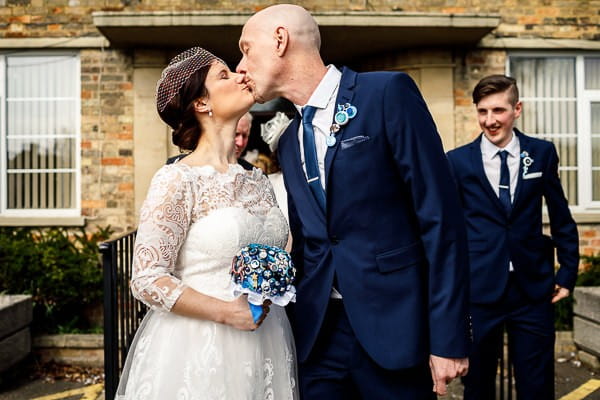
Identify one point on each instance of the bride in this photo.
(199, 341)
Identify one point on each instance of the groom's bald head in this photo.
(280, 53)
(301, 26)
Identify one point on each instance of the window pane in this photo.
(592, 73)
(33, 190)
(42, 101)
(544, 77)
(41, 76)
(46, 117)
(46, 153)
(548, 90)
(595, 118)
(595, 132)
(547, 118)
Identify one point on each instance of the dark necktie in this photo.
(310, 156)
(504, 186)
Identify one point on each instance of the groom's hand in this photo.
(444, 370)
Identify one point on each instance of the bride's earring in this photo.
(210, 113)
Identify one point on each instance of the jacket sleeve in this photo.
(420, 159)
(562, 226)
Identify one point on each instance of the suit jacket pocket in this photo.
(353, 141)
(400, 258)
(533, 175)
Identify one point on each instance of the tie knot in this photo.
(308, 112)
(503, 154)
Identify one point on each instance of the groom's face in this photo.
(258, 62)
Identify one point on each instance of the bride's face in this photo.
(228, 96)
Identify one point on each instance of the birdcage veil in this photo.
(179, 70)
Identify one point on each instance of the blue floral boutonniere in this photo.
(345, 112)
(527, 161)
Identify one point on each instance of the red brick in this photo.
(23, 19)
(126, 187)
(588, 251)
(93, 203)
(453, 10)
(114, 161)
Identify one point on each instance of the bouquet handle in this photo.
(256, 311)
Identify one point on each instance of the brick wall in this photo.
(107, 138)
(566, 19)
(589, 239)
(469, 68)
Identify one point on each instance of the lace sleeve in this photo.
(164, 220)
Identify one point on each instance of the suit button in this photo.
(334, 240)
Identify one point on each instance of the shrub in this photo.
(590, 276)
(60, 268)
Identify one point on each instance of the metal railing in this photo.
(505, 382)
(122, 312)
(123, 315)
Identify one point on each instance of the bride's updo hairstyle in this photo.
(180, 83)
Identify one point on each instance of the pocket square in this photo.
(533, 175)
(353, 141)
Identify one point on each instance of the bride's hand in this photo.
(240, 317)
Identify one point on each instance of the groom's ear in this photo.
(282, 37)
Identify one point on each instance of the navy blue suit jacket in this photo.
(393, 233)
(495, 238)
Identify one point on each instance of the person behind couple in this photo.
(378, 236)
(198, 341)
(242, 133)
(502, 177)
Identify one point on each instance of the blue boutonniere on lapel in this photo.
(345, 112)
(527, 161)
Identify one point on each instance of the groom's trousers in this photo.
(339, 368)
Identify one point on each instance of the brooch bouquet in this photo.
(263, 273)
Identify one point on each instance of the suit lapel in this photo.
(477, 161)
(524, 145)
(345, 95)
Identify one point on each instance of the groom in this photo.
(379, 238)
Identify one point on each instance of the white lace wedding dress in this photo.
(192, 223)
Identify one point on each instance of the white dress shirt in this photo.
(323, 98)
(491, 165)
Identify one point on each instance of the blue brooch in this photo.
(345, 112)
(527, 161)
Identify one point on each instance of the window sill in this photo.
(42, 221)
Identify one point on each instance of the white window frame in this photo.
(40, 213)
(584, 98)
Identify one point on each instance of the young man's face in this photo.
(496, 116)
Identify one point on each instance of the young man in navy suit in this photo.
(502, 178)
(378, 243)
